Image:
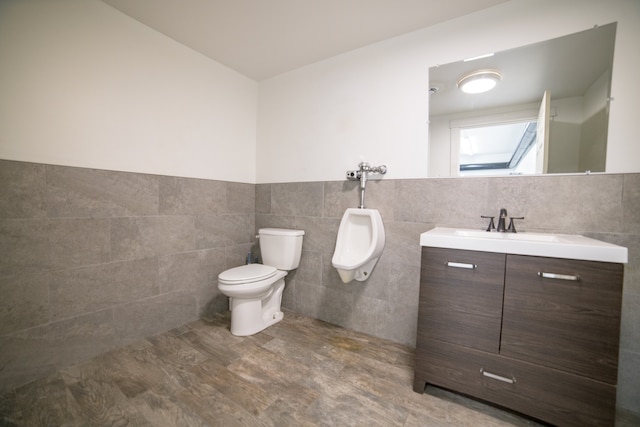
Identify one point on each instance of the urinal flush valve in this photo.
(361, 174)
(363, 169)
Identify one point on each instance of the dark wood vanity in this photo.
(533, 334)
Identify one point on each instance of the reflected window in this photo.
(500, 149)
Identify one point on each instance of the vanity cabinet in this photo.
(534, 334)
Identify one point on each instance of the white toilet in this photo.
(359, 244)
(255, 290)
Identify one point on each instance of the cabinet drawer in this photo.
(461, 297)
(571, 322)
(547, 394)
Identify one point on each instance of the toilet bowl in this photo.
(255, 290)
(359, 244)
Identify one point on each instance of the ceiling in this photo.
(264, 38)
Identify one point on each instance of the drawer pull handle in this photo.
(558, 276)
(461, 265)
(498, 377)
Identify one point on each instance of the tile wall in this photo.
(91, 260)
(605, 207)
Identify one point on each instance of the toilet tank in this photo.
(281, 248)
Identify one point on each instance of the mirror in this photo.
(575, 70)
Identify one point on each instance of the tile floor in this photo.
(300, 372)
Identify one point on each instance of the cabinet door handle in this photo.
(558, 276)
(461, 265)
(498, 377)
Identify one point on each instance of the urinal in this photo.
(359, 244)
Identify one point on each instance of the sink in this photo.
(534, 237)
(524, 243)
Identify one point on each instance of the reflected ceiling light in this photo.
(488, 55)
(479, 81)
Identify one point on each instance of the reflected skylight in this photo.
(497, 147)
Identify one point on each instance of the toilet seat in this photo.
(245, 274)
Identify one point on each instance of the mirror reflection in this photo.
(547, 112)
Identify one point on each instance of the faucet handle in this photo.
(491, 226)
(512, 227)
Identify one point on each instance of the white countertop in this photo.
(525, 243)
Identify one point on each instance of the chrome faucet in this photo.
(501, 220)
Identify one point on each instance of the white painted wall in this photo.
(82, 84)
(371, 104)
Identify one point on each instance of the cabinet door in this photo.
(570, 322)
(461, 297)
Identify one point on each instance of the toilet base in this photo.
(250, 316)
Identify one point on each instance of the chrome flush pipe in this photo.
(363, 182)
(363, 172)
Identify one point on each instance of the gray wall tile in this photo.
(24, 302)
(310, 269)
(630, 322)
(22, 190)
(632, 268)
(208, 298)
(402, 326)
(443, 202)
(299, 198)
(177, 234)
(575, 204)
(403, 243)
(78, 192)
(209, 232)
(38, 351)
(338, 196)
(404, 285)
(34, 245)
(631, 203)
(307, 298)
(336, 305)
(24, 246)
(319, 233)
(274, 221)
(140, 237)
(628, 380)
(370, 314)
(237, 255)
(263, 198)
(79, 241)
(288, 295)
(214, 231)
(191, 271)
(186, 196)
(88, 289)
(514, 194)
(83, 242)
(147, 317)
(241, 198)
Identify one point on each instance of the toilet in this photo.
(359, 244)
(255, 290)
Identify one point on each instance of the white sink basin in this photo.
(536, 244)
(534, 237)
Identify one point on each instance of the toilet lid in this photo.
(247, 274)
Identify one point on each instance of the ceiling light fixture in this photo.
(479, 81)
